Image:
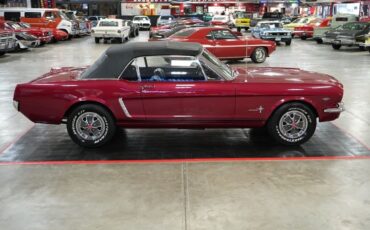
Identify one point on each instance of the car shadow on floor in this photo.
(52, 143)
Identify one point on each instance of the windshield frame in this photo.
(218, 66)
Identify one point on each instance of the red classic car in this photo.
(225, 44)
(58, 35)
(178, 85)
(306, 31)
(43, 34)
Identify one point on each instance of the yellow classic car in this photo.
(299, 22)
(242, 20)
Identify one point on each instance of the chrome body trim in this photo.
(124, 108)
(339, 109)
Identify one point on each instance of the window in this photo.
(108, 23)
(210, 74)
(223, 34)
(32, 15)
(184, 33)
(12, 16)
(130, 73)
(169, 69)
(49, 15)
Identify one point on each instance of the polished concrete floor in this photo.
(235, 195)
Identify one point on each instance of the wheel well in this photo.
(296, 101)
(71, 108)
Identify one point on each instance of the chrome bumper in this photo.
(341, 41)
(16, 105)
(339, 109)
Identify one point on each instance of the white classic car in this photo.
(142, 21)
(109, 29)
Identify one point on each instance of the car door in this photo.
(174, 88)
(227, 45)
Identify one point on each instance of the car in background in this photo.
(111, 29)
(299, 22)
(221, 20)
(225, 44)
(273, 31)
(307, 31)
(159, 29)
(337, 20)
(58, 35)
(164, 33)
(134, 28)
(267, 16)
(242, 20)
(349, 34)
(366, 44)
(24, 40)
(188, 21)
(165, 19)
(40, 18)
(45, 35)
(207, 17)
(143, 22)
(7, 41)
(84, 27)
(94, 19)
(178, 85)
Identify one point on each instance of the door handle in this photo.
(146, 87)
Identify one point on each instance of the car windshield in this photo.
(271, 25)
(219, 18)
(108, 23)
(215, 63)
(166, 17)
(184, 33)
(71, 15)
(354, 26)
(140, 18)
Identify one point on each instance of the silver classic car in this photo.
(273, 31)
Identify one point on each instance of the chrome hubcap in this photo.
(90, 126)
(293, 124)
(260, 54)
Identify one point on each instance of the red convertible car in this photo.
(178, 85)
(306, 31)
(225, 44)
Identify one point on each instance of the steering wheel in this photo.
(158, 75)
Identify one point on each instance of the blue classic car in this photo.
(273, 31)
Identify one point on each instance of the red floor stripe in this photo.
(191, 160)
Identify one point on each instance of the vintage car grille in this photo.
(5, 34)
(278, 34)
(144, 24)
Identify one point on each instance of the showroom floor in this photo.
(194, 179)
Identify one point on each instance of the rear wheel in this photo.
(336, 46)
(362, 48)
(246, 28)
(239, 29)
(288, 42)
(319, 41)
(259, 55)
(292, 124)
(90, 125)
(303, 38)
(137, 32)
(97, 40)
(2, 53)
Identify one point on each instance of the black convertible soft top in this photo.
(112, 62)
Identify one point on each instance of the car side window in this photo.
(170, 69)
(49, 15)
(223, 34)
(210, 74)
(130, 73)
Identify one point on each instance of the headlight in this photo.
(92, 31)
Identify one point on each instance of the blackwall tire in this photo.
(304, 125)
(97, 40)
(319, 41)
(91, 126)
(288, 42)
(336, 46)
(259, 55)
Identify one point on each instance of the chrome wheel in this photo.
(293, 124)
(90, 126)
(259, 55)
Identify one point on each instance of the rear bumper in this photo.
(108, 35)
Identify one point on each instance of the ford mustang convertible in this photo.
(178, 85)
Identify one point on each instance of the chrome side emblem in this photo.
(259, 109)
(124, 108)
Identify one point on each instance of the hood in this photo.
(60, 74)
(283, 75)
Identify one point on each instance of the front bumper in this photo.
(24, 44)
(144, 26)
(7, 44)
(307, 34)
(277, 39)
(341, 41)
(338, 109)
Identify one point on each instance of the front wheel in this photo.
(336, 46)
(259, 55)
(90, 125)
(319, 41)
(288, 42)
(97, 40)
(292, 124)
(303, 38)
